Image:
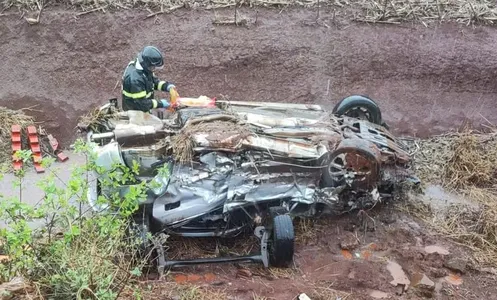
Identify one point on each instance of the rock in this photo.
(456, 264)
(378, 295)
(424, 285)
(388, 219)
(438, 273)
(351, 275)
(414, 226)
(350, 242)
(399, 277)
(8, 290)
(436, 249)
(304, 297)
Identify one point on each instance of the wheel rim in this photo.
(359, 113)
(352, 164)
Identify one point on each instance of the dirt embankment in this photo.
(427, 80)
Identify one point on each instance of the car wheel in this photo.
(359, 107)
(356, 157)
(282, 244)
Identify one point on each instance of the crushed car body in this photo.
(231, 163)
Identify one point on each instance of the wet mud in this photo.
(427, 80)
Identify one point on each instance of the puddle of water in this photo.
(399, 277)
(439, 198)
(436, 249)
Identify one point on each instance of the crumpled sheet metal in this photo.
(296, 148)
(196, 198)
(215, 183)
(293, 149)
(386, 142)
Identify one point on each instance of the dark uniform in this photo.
(139, 82)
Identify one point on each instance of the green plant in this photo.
(76, 254)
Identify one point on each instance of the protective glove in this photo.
(164, 103)
(173, 94)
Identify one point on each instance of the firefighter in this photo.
(139, 82)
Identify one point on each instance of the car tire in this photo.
(346, 106)
(361, 148)
(282, 244)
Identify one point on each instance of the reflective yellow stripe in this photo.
(159, 86)
(154, 103)
(137, 95)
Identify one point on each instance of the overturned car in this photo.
(237, 166)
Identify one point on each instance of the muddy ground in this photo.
(427, 80)
(383, 254)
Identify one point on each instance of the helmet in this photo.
(150, 57)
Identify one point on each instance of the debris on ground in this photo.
(39, 137)
(436, 249)
(456, 264)
(399, 276)
(303, 296)
(397, 11)
(457, 160)
(97, 120)
(350, 243)
(14, 288)
(379, 295)
(454, 279)
(465, 164)
(424, 285)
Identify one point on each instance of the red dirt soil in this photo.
(427, 80)
(323, 271)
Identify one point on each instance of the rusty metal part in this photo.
(358, 158)
(387, 144)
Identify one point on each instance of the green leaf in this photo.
(136, 272)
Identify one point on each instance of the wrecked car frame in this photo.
(239, 165)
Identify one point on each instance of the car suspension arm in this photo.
(263, 257)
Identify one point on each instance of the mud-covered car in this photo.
(237, 166)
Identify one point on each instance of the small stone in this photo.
(399, 276)
(399, 290)
(438, 273)
(424, 285)
(351, 275)
(456, 264)
(388, 219)
(304, 297)
(349, 243)
(436, 249)
(378, 295)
